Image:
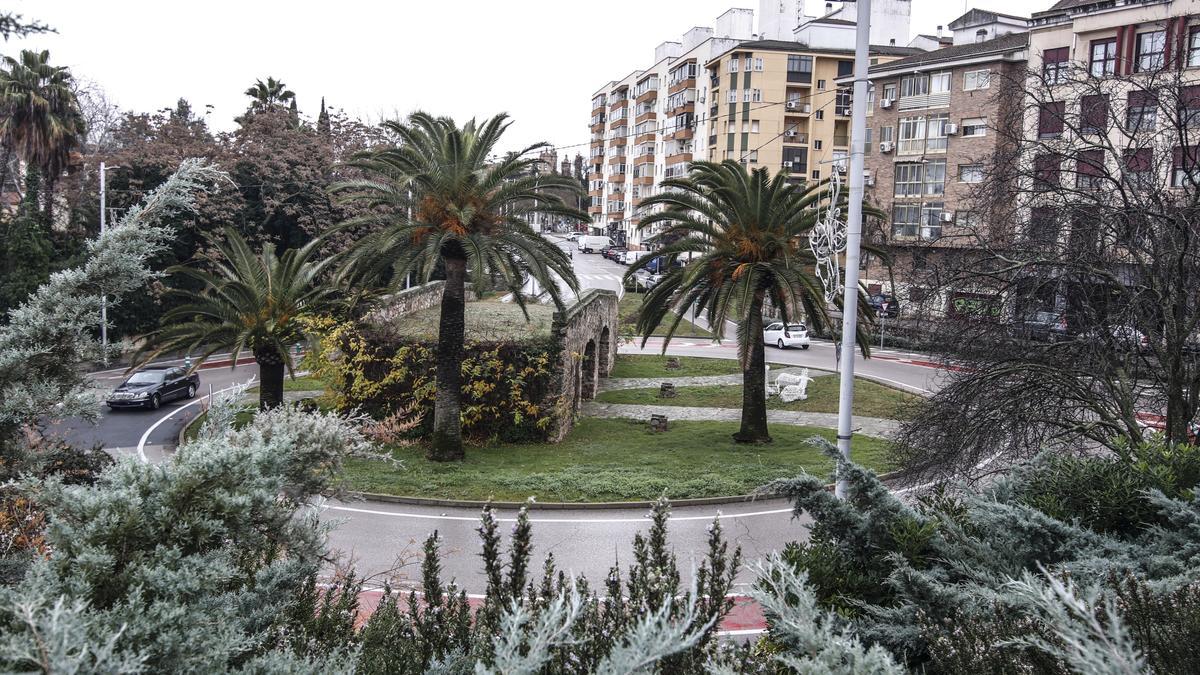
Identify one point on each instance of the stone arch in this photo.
(588, 375)
(606, 356)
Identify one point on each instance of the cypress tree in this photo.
(26, 247)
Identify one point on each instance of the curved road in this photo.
(383, 540)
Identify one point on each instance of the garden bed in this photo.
(871, 399)
(655, 365)
(612, 460)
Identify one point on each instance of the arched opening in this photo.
(588, 375)
(605, 353)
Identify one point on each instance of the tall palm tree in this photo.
(440, 203)
(252, 301)
(269, 94)
(745, 235)
(40, 119)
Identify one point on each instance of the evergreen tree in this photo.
(26, 248)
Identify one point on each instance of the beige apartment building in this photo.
(777, 104)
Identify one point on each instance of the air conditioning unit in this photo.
(951, 129)
(790, 134)
(887, 146)
(885, 103)
(792, 105)
(868, 179)
(947, 216)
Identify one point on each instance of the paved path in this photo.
(867, 426)
(615, 383)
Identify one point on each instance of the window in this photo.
(841, 101)
(749, 63)
(886, 134)
(1093, 113)
(820, 85)
(912, 136)
(1151, 48)
(745, 96)
(753, 156)
(816, 145)
(906, 218)
(889, 92)
(1189, 103)
(1139, 167)
(870, 97)
(973, 126)
(1050, 118)
(754, 126)
(733, 65)
(939, 83)
(756, 95)
(935, 178)
(931, 220)
(1089, 169)
(1185, 166)
(799, 68)
(820, 114)
(908, 180)
(845, 68)
(732, 96)
(1193, 47)
(1046, 171)
(1043, 226)
(970, 173)
(745, 126)
(816, 174)
(867, 142)
(914, 85)
(936, 124)
(1141, 112)
(977, 79)
(1055, 64)
(758, 64)
(1104, 58)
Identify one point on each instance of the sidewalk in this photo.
(867, 426)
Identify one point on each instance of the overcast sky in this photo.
(538, 60)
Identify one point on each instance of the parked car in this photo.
(659, 265)
(590, 243)
(652, 280)
(1044, 326)
(793, 335)
(151, 387)
(1122, 337)
(633, 256)
(885, 305)
(611, 252)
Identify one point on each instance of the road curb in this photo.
(578, 506)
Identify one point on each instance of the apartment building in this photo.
(932, 138)
(777, 104)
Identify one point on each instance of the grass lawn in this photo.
(613, 460)
(655, 365)
(627, 311)
(871, 399)
(487, 320)
(303, 384)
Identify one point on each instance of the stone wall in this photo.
(588, 331)
(408, 301)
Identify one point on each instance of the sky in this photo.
(538, 60)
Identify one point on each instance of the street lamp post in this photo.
(858, 131)
(103, 296)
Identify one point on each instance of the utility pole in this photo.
(103, 297)
(858, 132)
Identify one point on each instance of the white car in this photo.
(793, 335)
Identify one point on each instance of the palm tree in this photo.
(269, 94)
(440, 203)
(745, 236)
(40, 119)
(250, 302)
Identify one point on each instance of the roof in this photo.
(1000, 45)
(1063, 5)
(835, 22)
(789, 46)
(977, 16)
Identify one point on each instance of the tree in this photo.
(40, 119)
(1102, 186)
(270, 94)
(743, 236)
(250, 302)
(443, 204)
(24, 249)
(15, 24)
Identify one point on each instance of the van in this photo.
(593, 243)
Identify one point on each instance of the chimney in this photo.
(829, 8)
(939, 33)
(892, 42)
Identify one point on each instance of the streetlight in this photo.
(104, 296)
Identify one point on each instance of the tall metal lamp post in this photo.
(104, 297)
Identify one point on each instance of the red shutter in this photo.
(1093, 112)
(1141, 159)
(1189, 97)
(1185, 157)
(1050, 118)
(1140, 98)
(1090, 163)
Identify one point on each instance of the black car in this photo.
(885, 305)
(151, 387)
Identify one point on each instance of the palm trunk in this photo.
(446, 444)
(48, 209)
(270, 374)
(4, 172)
(754, 381)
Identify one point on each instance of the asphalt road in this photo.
(379, 539)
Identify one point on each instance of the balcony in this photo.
(681, 85)
(648, 95)
(680, 134)
(647, 137)
(647, 116)
(617, 101)
(841, 141)
(679, 158)
(644, 180)
(616, 159)
(796, 138)
(643, 159)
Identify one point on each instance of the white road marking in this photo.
(423, 516)
(141, 446)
